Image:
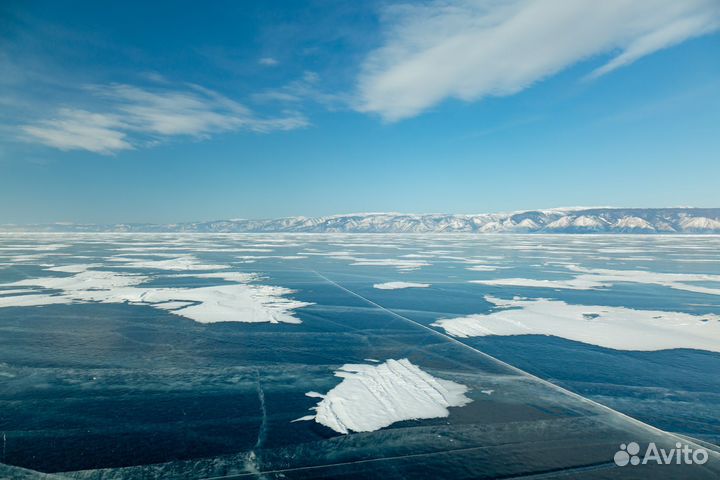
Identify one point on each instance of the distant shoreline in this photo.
(603, 220)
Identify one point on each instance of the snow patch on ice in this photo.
(238, 302)
(400, 264)
(228, 303)
(569, 284)
(371, 397)
(74, 268)
(588, 279)
(619, 328)
(483, 268)
(399, 285)
(238, 277)
(677, 281)
(184, 262)
(271, 257)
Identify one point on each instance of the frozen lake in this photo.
(323, 355)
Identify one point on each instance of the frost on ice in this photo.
(371, 397)
(611, 327)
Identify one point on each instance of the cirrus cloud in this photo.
(125, 117)
(76, 129)
(472, 49)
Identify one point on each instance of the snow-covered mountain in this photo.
(561, 220)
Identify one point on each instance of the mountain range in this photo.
(559, 220)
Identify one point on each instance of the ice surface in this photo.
(208, 386)
(612, 327)
(371, 397)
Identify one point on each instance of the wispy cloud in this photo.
(126, 117)
(471, 49)
(74, 129)
(268, 61)
(304, 89)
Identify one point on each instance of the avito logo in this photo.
(680, 455)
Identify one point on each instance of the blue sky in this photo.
(180, 111)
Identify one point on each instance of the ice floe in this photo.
(619, 328)
(399, 285)
(371, 397)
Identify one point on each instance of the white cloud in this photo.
(74, 129)
(306, 88)
(193, 112)
(295, 91)
(130, 116)
(476, 48)
(268, 61)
